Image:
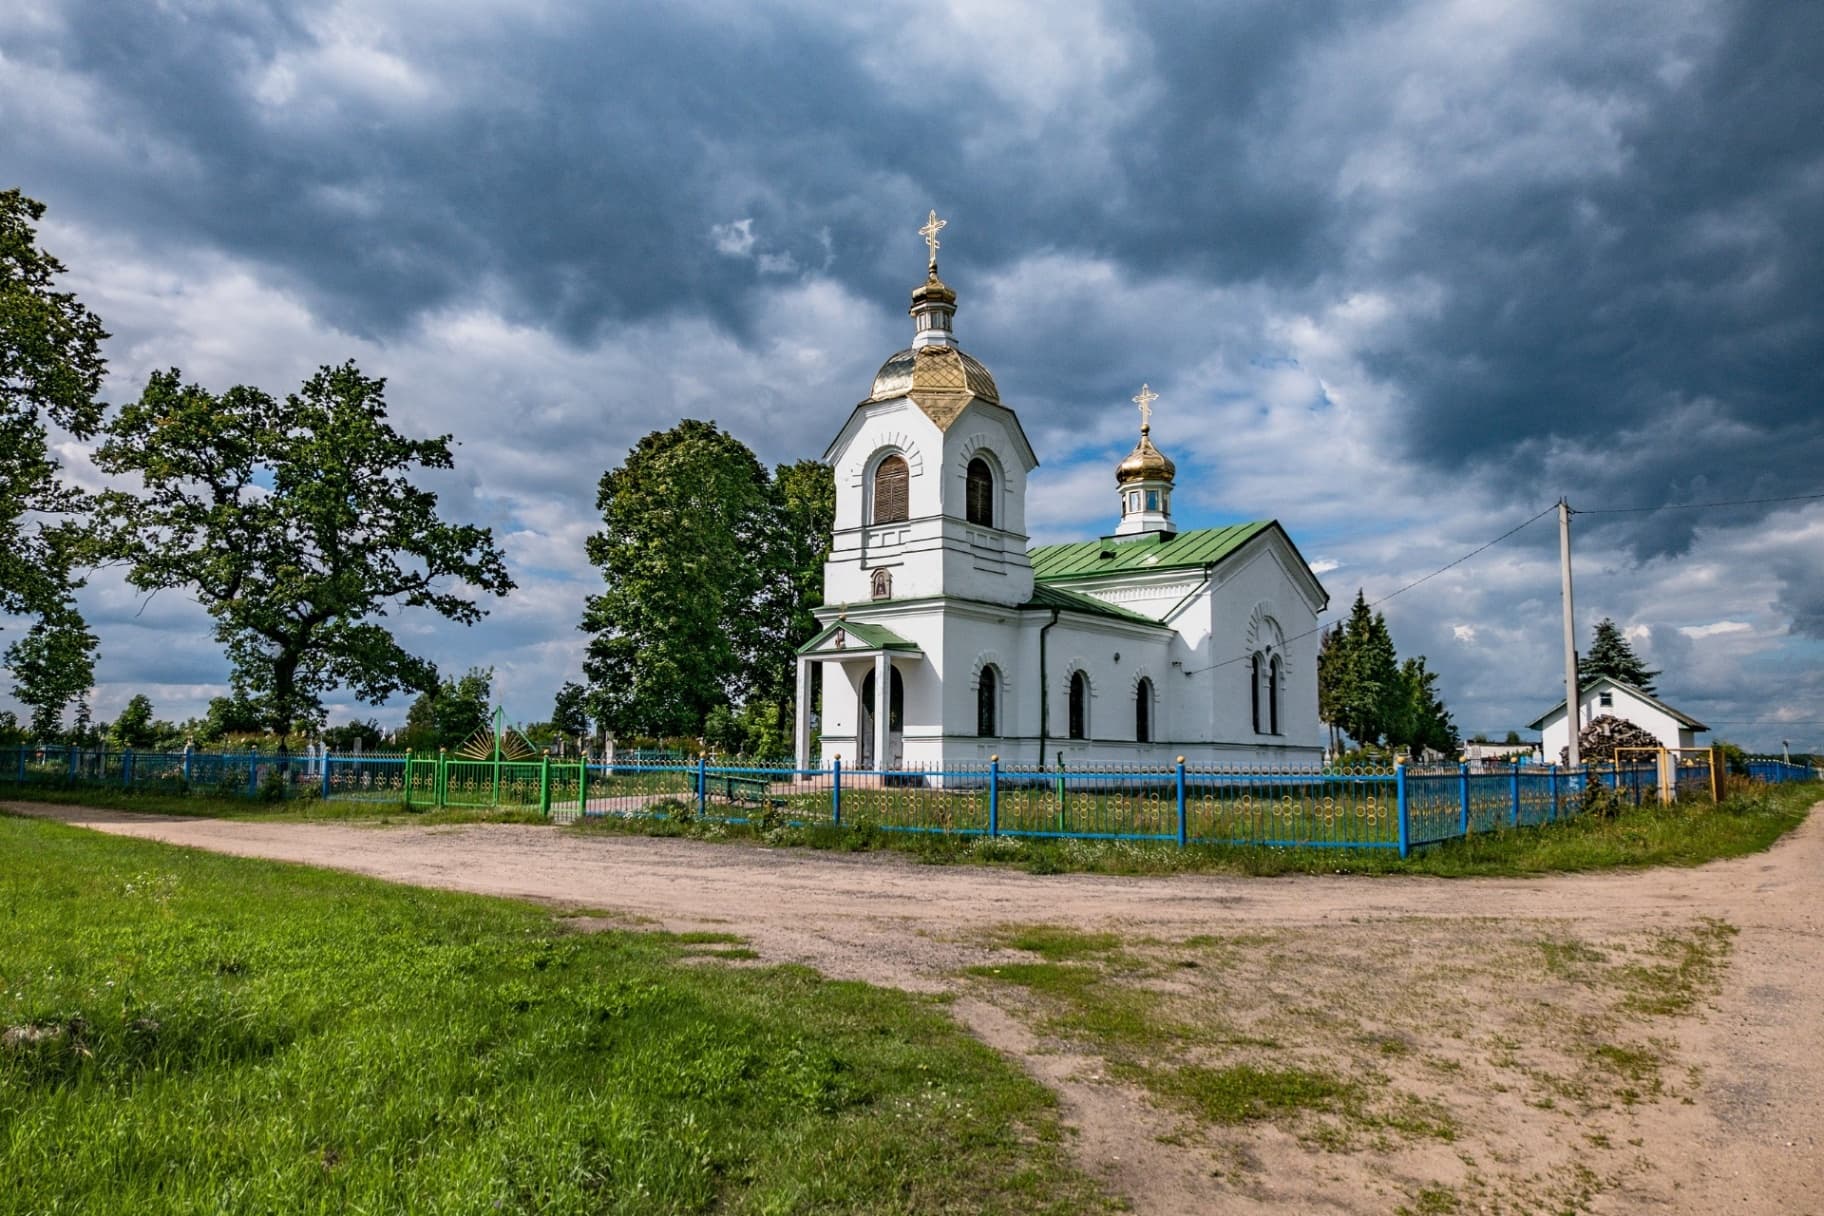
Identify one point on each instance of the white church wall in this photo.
(1255, 602)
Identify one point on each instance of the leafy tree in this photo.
(451, 713)
(570, 712)
(52, 665)
(50, 370)
(804, 514)
(296, 524)
(1513, 736)
(10, 734)
(235, 714)
(355, 731)
(673, 630)
(1611, 655)
(134, 728)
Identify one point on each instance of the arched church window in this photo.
(882, 588)
(1254, 689)
(1079, 705)
(1143, 712)
(979, 505)
(987, 693)
(1273, 696)
(890, 491)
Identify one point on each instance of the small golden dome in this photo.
(932, 289)
(1145, 463)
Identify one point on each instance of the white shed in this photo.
(1607, 695)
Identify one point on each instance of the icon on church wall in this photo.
(840, 640)
(883, 585)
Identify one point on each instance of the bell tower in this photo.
(930, 473)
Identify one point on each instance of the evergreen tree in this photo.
(1610, 655)
(1418, 721)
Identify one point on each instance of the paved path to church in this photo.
(1752, 1142)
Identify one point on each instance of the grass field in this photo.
(187, 1032)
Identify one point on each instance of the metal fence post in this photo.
(72, 759)
(253, 773)
(440, 784)
(544, 784)
(1184, 820)
(22, 764)
(126, 769)
(836, 791)
(1515, 818)
(702, 787)
(582, 785)
(187, 750)
(1554, 816)
(408, 773)
(1463, 827)
(994, 795)
(407, 799)
(1399, 788)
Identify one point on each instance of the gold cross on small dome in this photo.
(1144, 399)
(932, 227)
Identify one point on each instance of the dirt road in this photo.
(1748, 1142)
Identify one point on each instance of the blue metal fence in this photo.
(1401, 808)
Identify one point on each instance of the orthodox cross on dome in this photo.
(932, 227)
(1144, 399)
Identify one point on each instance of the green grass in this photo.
(187, 1032)
(295, 810)
(1243, 1092)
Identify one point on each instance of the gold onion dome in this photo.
(933, 369)
(1145, 462)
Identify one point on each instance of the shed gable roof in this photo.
(1639, 694)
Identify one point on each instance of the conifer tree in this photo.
(1610, 655)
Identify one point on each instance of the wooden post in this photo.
(1719, 775)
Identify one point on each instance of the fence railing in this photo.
(1399, 808)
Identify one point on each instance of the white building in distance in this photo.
(1606, 695)
(1134, 648)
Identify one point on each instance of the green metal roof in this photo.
(1073, 601)
(866, 637)
(1148, 551)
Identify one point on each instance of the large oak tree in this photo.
(298, 526)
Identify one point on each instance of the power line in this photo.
(1696, 506)
(1321, 625)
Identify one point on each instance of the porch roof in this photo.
(869, 637)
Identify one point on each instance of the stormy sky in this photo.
(1402, 274)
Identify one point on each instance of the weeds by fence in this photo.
(1400, 808)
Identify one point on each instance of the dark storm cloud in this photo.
(1663, 311)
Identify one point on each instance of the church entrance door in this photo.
(896, 720)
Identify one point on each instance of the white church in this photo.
(947, 640)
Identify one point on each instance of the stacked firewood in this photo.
(1597, 743)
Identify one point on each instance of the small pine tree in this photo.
(1610, 655)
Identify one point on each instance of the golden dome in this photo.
(1145, 463)
(916, 372)
(932, 289)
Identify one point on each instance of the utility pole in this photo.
(1571, 715)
